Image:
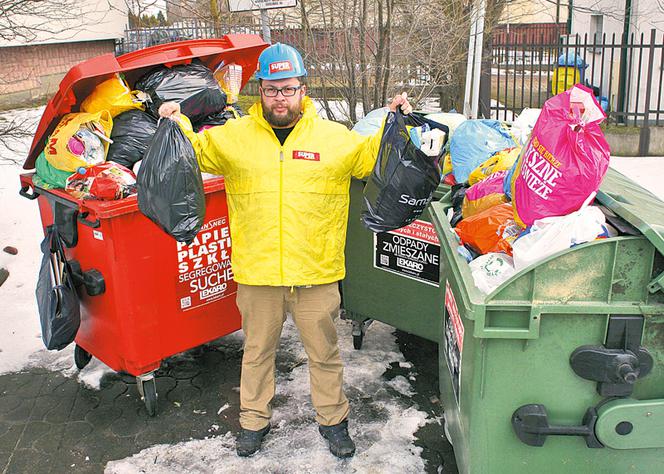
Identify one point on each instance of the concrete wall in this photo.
(627, 144)
(32, 73)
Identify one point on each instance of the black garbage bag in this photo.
(403, 179)
(170, 186)
(218, 118)
(458, 193)
(57, 300)
(193, 86)
(132, 133)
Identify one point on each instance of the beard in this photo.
(281, 120)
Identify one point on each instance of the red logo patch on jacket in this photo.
(306, 155)
(280, 66)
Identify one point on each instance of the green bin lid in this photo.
(639, 207)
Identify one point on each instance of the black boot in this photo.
(249, 441)
(338, 439)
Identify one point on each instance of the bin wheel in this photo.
(147, 388)
(357, 341)
(81, 357)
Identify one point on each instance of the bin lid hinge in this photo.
(657, 284)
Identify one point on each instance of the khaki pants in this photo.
(314, 310)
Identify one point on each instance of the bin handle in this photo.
(493, 332)
(24, 192)
(82, 218)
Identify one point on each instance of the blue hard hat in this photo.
(280, 61)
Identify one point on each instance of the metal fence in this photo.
(139, 38)
(625, 72)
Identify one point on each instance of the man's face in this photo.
(282, 111)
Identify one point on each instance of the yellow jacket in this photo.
(288, 205)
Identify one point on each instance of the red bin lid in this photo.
(78, 83)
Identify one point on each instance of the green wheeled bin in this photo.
(391, 276)
(561, 368)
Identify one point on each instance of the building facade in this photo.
(49, 44)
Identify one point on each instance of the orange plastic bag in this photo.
(492, 230)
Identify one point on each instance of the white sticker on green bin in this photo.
(412, 252)
(453, 339)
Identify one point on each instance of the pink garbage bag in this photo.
(565, 159)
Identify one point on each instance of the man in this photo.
(287, 177)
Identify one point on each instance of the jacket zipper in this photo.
(281, 235)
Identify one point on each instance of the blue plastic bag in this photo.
(371, 122)
(473, 142)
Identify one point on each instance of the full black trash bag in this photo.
(170, 186)
(132, 133)
(57, 300)
(403, 179)
(191, 85)
(218, 118)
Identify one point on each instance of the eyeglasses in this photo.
(288, 91)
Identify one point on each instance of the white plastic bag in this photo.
(491, 270)
(524, 123)
(554, 234)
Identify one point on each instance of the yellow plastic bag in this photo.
(115, 96)
(447, 164)
(79, 127)
(500, 161)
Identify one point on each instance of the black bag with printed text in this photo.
(403, 179)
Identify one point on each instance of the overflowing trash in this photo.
(80, 140)
(132, 133)
(475, 141)
(170, 186)
(193, 86)
(525, 191)
(565, 159)
(114, 96)
(107, 182)
(407, 172)
(92, 154)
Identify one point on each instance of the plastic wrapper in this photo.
(523, 125)
(170, 186)
(191, 85)
(492, 230)
(105, 182)
(501, 161)
(483, 195)
(403, 179)
(491, 270)
(229, 77)
(132, 133)
(473, 142)
(565, 160)
(554, 234)
(47, 176)
(57, 300)
(79, 140)
(114, 96)
(220, 118)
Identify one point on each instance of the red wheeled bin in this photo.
(144, 296)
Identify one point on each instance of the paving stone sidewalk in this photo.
(53, 423)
